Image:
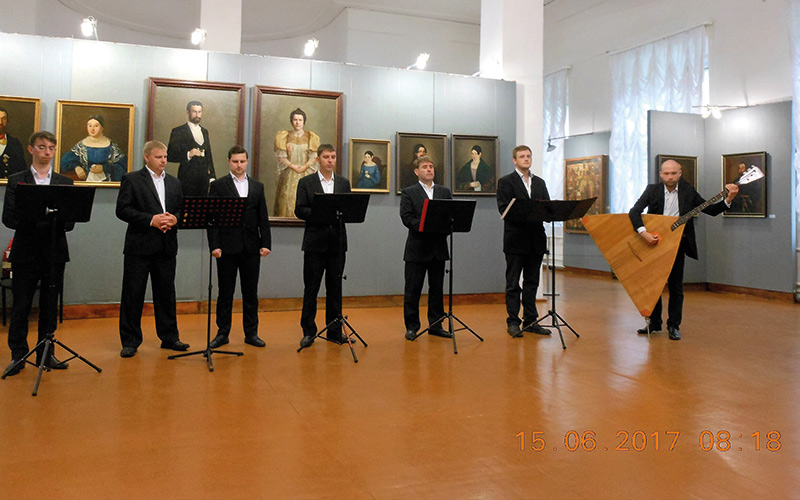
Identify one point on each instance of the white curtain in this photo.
(794, 30)
(555, 119)
(666, 75)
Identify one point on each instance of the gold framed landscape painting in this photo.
(585, 178)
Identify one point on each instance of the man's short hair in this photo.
(237, 150)
(42, 134)
(3, 110)
(422, 159)
(193, 103)
(149, 146)
(519, 148)
(325, 147)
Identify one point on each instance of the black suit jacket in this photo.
(254, 233)
(653, 200)
(137, 203)
(521, 237)
(32, 240)
(13, 158)
(318, 237)
(422, 247)
(181, 141)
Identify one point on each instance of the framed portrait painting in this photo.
(95, 141)
(19, 118)
(474, 165)
(585, 178)
(290, 124)
(411, 145)
(199, 151)
(370, 167)
(688, 167)
(752, 198)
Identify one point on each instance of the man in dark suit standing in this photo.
(324, 248)
(12, 157)
(189, 146)
(673, 196)
(425, 253)
(149, 201)
(240, 249)
(34, 259)
(524, 243)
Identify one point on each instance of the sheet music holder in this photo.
(448, 216)
(203, 213)
(351, 206)
(336, 209)
(437, 216)
(551, 211)
(58, 205)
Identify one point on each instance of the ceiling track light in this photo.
(310, 47)
(422, 61)
(708, 110)
(89, 27)
(552, 147)
(198, 36)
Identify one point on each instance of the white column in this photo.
(512, 41)
(222, 20)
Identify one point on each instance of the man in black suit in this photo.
(149, 201)
(673, 196)
(34, 260)
(524, 243)
(12, 157)
(324, 248)
(425, 253)
(240, 249)
(189, 146)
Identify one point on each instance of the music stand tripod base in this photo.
(342, 320)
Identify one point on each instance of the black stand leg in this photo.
(558, 321)
(450, 316)
(208, 351)
(341, 320)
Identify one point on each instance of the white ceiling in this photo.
(263, 19)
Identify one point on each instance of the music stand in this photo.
(551, 211)
(448, 217)
(338, 209)
(56, 205)
(203, 213)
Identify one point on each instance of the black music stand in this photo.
(203, 213)
(448, 217)
(551, 211)
(338, 209)
(56, 205)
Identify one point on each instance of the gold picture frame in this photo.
(363, 177)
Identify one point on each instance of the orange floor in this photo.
(412, 420)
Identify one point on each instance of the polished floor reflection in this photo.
(615, 415)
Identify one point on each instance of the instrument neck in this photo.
(699, 208)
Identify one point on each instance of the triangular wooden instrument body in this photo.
(641, 268)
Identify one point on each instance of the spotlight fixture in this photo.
(422, 61)
(89, 27)
(199, 36)
(310, 47)
(552, 147)
(708, 110)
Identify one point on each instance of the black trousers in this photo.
(528, 266)
(315, 265)
(675, 287)
(23, 287)
(160, 269)
(415, 277)
(247, 265)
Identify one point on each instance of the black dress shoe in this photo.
(54, 364)
(254, 340)
(411, 334)
(176, 345)
(440, 332)
(537, 329)
(307, 341)
(127, 352)
(674, 333)
(11, 372)
(514, 331)
(653, 329)
(218, 341)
